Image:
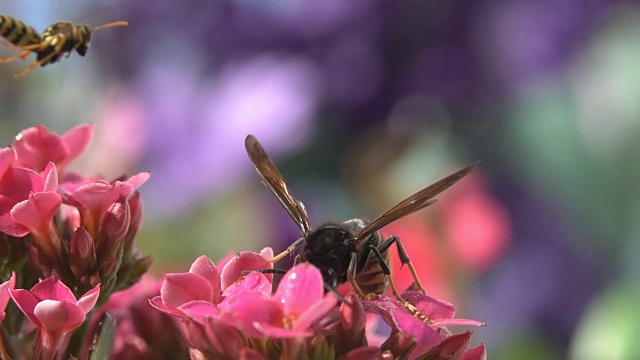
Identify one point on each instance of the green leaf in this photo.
(103, 342)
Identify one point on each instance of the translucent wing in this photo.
(272, 178)
(415, 202)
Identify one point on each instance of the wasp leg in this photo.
(404, 259)
(57, 41)
(288, 251)
(23, 55)
(385, 268)
(351, 275)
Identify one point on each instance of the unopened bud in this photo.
(82, 253)
(115, 225)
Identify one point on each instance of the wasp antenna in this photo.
(111, 24)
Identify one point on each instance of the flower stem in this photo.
(77, 339)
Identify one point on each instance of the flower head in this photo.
(51, 306)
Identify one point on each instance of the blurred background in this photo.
(361, 104)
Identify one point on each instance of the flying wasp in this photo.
(57, 40)
(353, 250)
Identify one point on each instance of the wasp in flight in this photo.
(353, 250)
(57, 40)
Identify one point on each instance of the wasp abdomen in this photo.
(17, 32)
(372, 279)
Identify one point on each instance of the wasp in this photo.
(353, 250)
(57, 40)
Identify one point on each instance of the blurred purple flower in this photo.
(197, 130)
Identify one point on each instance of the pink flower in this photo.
(202, 282)
(94, 197)
(300, 319)
(52, 307)
(427, 328)
(297, 306)
(36, 146)
(28, 200)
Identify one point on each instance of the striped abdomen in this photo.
(17, 32)
(372, 279)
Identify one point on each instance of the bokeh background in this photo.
(362, 103)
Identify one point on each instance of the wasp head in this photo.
(84, 35)
(329, 249)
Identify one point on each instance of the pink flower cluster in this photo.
(79, 228)
(233, 313)
(68, 237)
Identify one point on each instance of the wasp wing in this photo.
(273, 180)
(415, 202)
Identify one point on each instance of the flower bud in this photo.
(82, 253)
(115, 225)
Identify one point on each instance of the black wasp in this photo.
(353, 250)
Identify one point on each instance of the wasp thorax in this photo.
(325, 239)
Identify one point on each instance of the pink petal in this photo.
(4, 291)
(138, 179)
(58, 317)
(180, 288)
(457, 322)
(246, 260)
(452, 347)
(89, 299)
(300, 288)
(413, 327)
(199, 310)
(267, 253)
(38, 211)
(250, 308)
(7, 224)
(432, 308)
(36, 146)
(101, 195)
(477, 353)
(18, 183)
(156, 302)
(26, 302)
(204, 267)
(52, 289)
(275, 333)
(50, 176)
(314, 313)
(7, 158)
(353, 315)
(224, 337)
(254, 281)
(77, 140)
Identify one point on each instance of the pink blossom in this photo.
(36, 146)
(28, 200)
(94, 197)
(202, 282)
(51, 306)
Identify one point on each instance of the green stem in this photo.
(77, 338)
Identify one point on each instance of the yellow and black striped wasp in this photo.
(57, 40)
